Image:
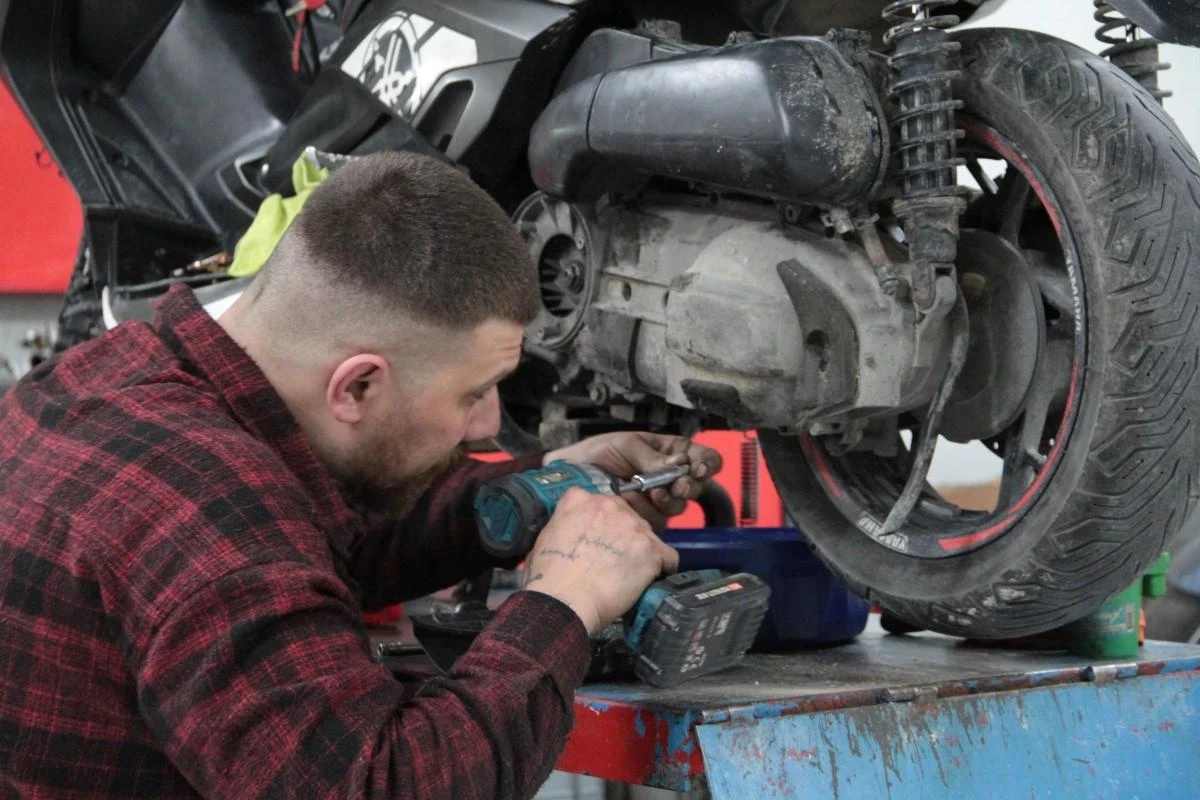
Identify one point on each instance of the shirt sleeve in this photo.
(260, 684)
(436, 545)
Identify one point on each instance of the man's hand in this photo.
(625, 454)
(597, 556)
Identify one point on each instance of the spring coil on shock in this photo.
(748, 514)
(924, 62)
(1137, 56)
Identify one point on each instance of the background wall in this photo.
(40, 221)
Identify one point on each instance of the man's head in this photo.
(386, 316)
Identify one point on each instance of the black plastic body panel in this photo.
(336, 114)
(213, 91)
(114, 38)
(786, 118)
(501, 29)
(154, 144)
(1176, 21)
(477, 114)
(162, 114)
(609, 49)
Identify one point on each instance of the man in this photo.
(192, 518)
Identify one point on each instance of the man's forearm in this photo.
(436, 545)
(289, 703)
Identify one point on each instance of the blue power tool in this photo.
(513, 509)
(683, 626)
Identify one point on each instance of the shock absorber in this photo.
(924, 62)
(1134, 53)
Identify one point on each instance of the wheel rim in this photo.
(863, 486)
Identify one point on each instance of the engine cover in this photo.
(778, 329)
(741, 317)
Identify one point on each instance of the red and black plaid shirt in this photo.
(176, 616)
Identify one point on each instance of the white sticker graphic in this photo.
(403, 57)
(874, 528)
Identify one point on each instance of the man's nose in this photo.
(485, 417)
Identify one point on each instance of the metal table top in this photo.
(638, 734)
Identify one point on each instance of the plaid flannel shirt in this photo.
(180, 593)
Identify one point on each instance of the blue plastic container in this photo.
(809, 606)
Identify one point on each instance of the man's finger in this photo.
(673, 449)
(667, 503)
(686, 489)
(705, 461)
(646, 509)
(645, 453)
(668, 554)
(675, 445)
(670, 557)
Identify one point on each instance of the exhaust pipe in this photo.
(791, 118)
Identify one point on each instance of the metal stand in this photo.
(921, 716)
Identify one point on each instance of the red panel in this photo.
(602, 744)
(40, 216)
(630, 744)
(729, 445)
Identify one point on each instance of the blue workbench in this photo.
(920, 716)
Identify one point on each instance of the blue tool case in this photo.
(809, 606)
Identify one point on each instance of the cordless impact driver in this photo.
(685, 625)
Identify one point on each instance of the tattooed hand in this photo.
(597, 555)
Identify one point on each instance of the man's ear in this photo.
(356, 387)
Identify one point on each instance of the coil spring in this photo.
(1138, 57)
(924, 62)
(749, 505)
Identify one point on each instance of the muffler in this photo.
(793, 119)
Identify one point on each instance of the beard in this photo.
(374, 483)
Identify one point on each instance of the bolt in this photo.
(573, 271)
(539, 334)
(889, 282)
(598, 393)
(839, 220)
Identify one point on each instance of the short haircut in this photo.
(418, 236)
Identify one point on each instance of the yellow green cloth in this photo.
(273, 218)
